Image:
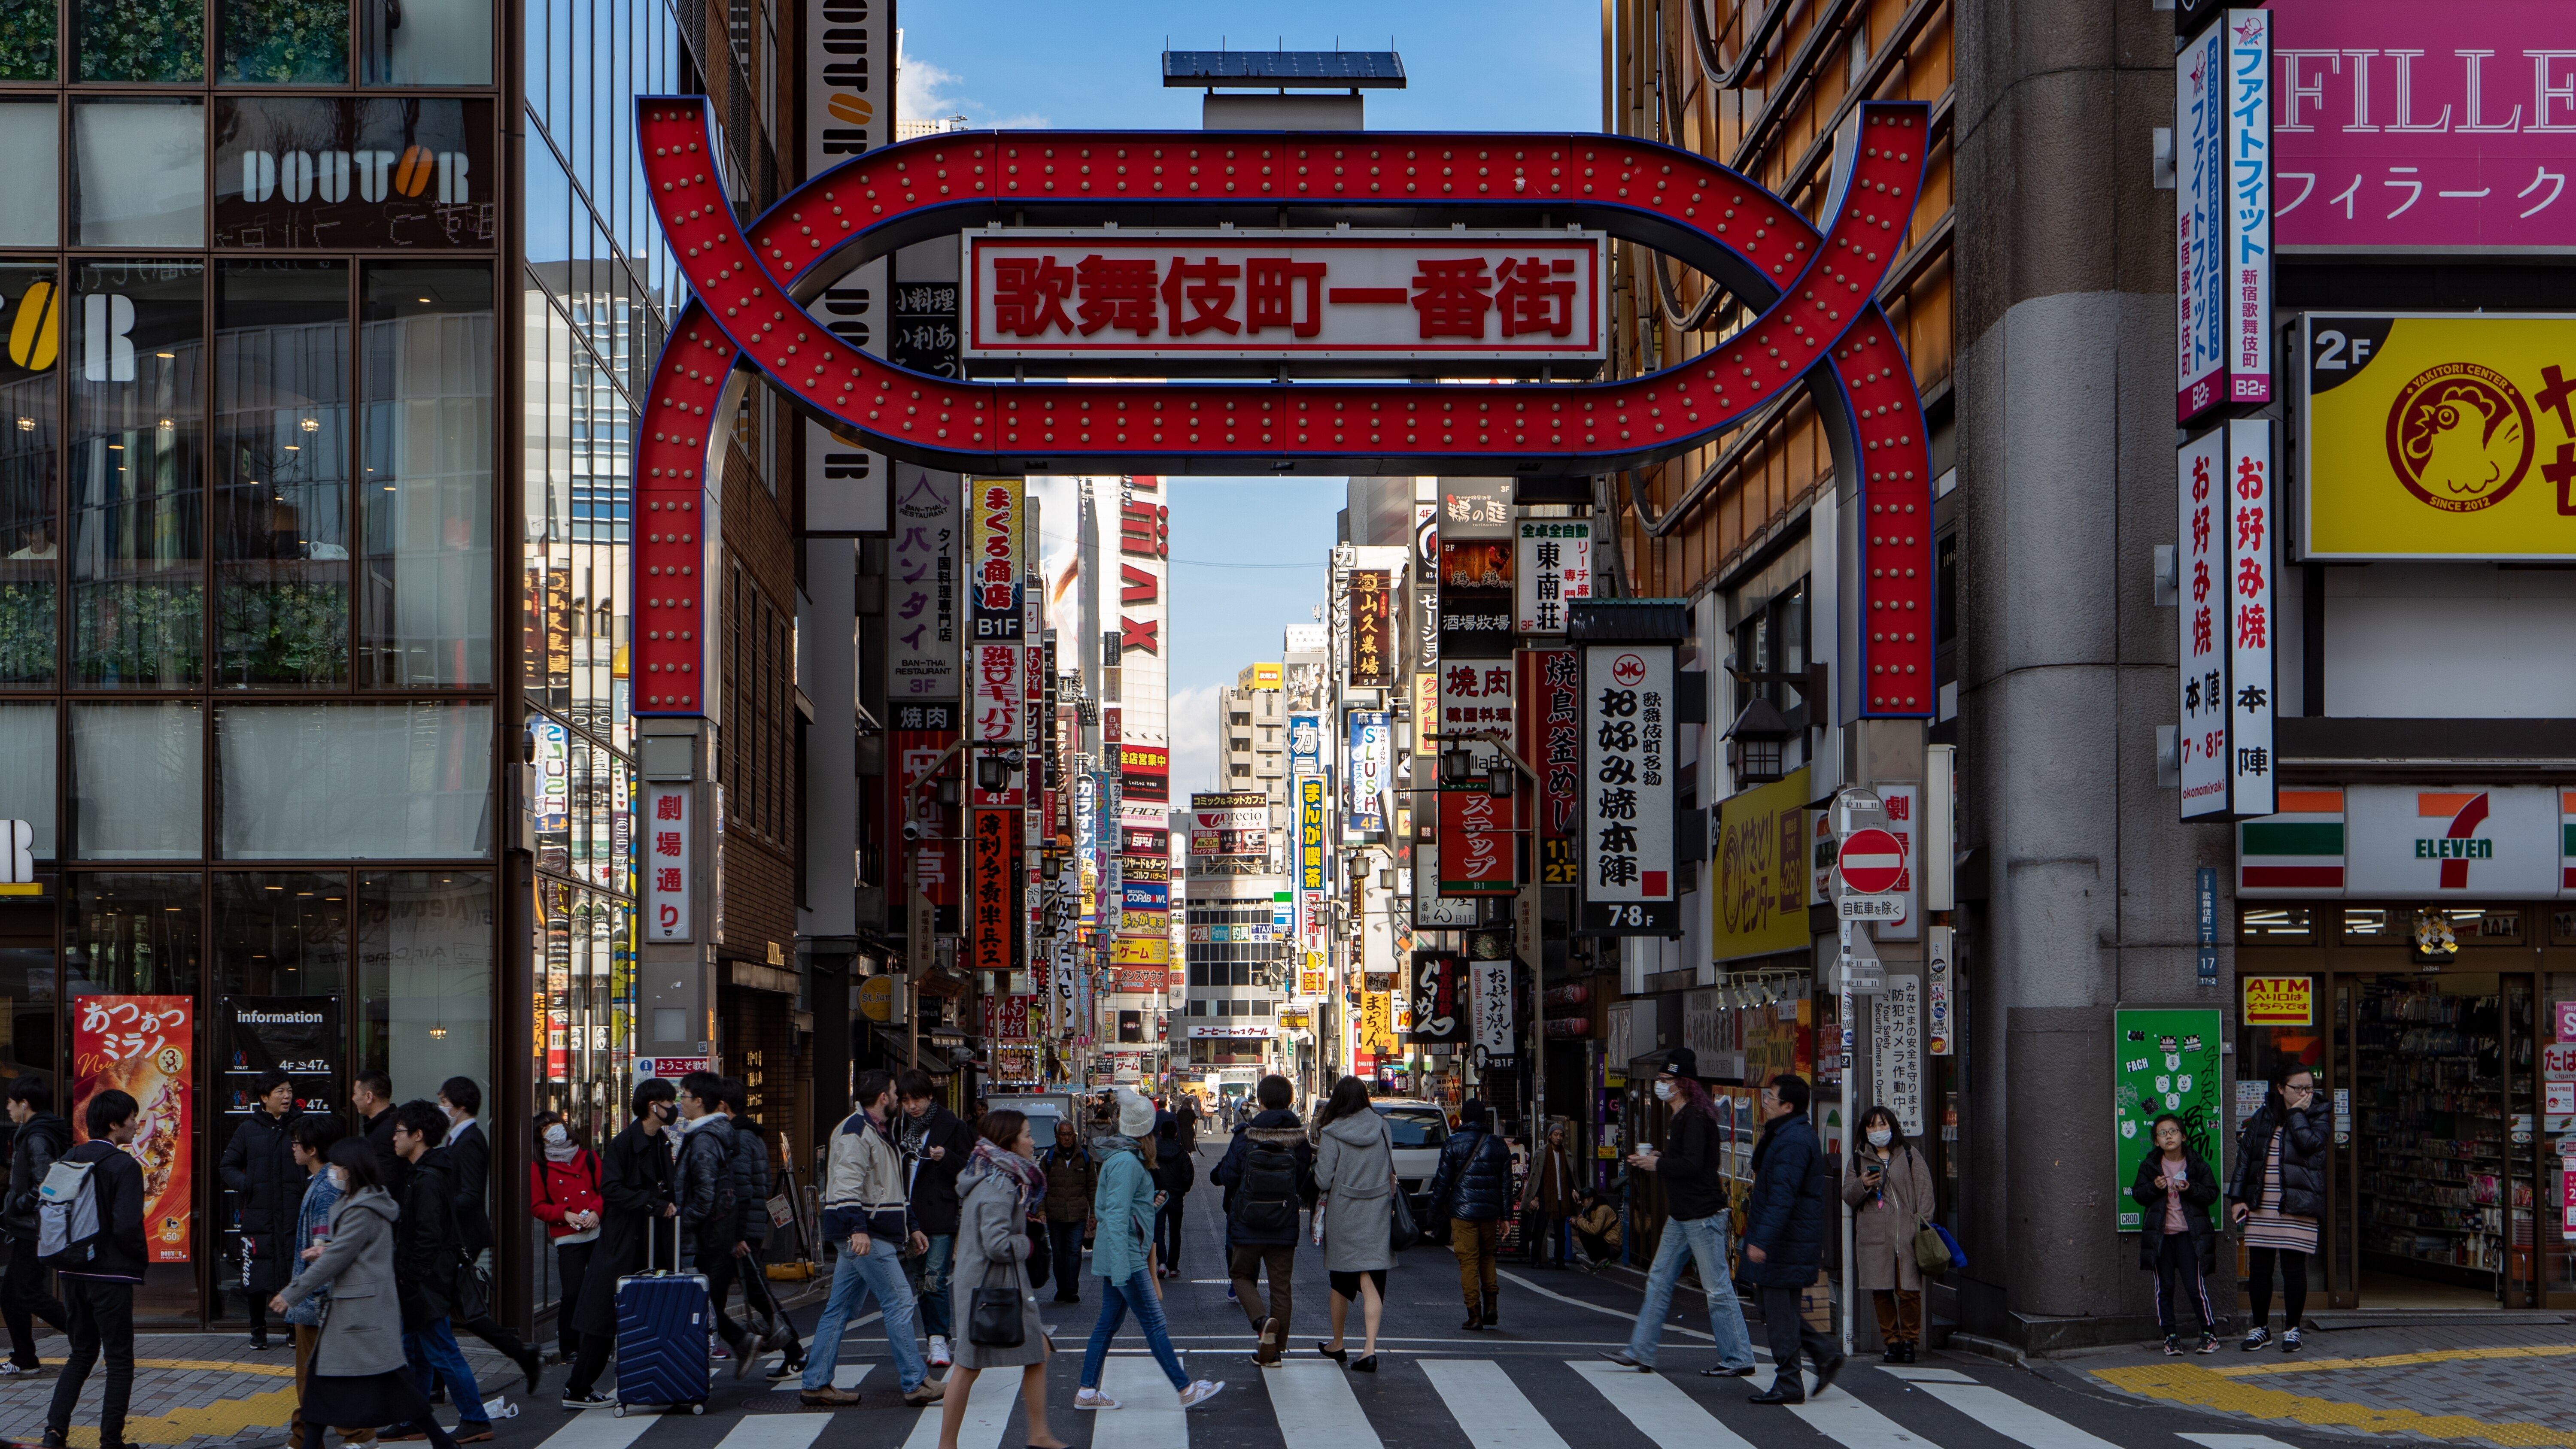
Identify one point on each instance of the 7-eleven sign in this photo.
(2459, 843)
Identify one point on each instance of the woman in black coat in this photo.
(259, 1166)
(2278, 1196)
(1174, 1170)
(2176, 1188)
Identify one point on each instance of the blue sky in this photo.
(1500, 65)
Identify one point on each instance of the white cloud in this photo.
(928, 91)
(1196, 756)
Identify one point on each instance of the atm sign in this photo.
(2280, 1000)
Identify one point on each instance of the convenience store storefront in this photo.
(2411, 946)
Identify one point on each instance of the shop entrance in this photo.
(2433, 1165)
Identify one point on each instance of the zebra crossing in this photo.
(1434, 1395)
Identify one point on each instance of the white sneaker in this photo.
(1093, 1399)
(938, 1351)
(1200, 1392)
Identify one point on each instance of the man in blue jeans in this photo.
(1695, 1224)
(936, 1146)
(865, 1210)
(428, 1257)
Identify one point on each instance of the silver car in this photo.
(1418, 1130)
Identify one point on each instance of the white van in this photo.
(1418, 1129)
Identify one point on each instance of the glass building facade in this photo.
(325, 324)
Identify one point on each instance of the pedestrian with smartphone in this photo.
(1890, 1192)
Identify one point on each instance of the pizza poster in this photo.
(144, 1047)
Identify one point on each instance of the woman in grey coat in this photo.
(1355, 1169)
(1000, 1186)
(360, 1378)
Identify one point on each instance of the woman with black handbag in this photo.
(997, 1190)
(1360, 1216)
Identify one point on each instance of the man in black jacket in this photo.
(710, 1220)
(1786, 1220)
(636, 1234)
(428, 1255)
(1696, 1218)
(1472, 1188)
(470, 1155)
(372, 1098)
(41, 1138)
(1267, 1172)
(268, 1188)
(751, 1215)
(101, 1289)
(935, 1148)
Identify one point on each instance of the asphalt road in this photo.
(1536, 1382)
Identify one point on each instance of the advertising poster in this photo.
(2165, 1061)
(1761, 895)
(144, 1047)
(2432, 437)
(2223, 214)
(297, 1035)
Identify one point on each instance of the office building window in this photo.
(137, 504)
(139, 172)
(281, 458)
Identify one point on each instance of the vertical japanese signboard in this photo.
(1372, 758)
(1489, 1003)
(1479, 852)
(921, 587)
(666, 862)
(1554, 568)
(145, 1047)
(994, 882)
(1896, 1052)
(1628, 875)
(2166, 1061)
(1372, 605)
(1438, 1001)
(1551, 720)
(2225, 579)
(2223, 213)
(297, 1035)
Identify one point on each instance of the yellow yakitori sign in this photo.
(2437, 436)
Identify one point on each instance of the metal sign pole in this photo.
(1858, 976)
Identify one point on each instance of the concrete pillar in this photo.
(2065, 384)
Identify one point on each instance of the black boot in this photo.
(1493, 1307)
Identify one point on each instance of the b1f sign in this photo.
(2227, 597)
(2223, 214)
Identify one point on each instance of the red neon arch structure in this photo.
(1819, 327)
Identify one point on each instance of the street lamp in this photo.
(1756, 742)
(1458, 767)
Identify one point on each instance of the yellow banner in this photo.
(1377, 1024)
(1141, 951)
(1760, 902)
(2439, 437)
(2280, 1000)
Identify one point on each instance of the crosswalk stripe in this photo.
(2013, 1418)
(1490, 1410)
(2235, 1441)
(1913, 1375)
(1314, 1404)
(1855, 1425)
(1659, 1408)
(775, 1431)
(599, 1429)
(1149, 1413)
(844, 1376)
(988, 1414)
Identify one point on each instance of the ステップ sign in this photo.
(1489, 296)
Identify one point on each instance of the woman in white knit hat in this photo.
(1122, 1254)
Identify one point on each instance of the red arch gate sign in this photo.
(1819, 328)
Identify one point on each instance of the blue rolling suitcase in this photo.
(662, 1327)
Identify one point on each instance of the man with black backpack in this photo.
(41, 1138)
(90, 1232)
(710, 1217)
(1268, 1173)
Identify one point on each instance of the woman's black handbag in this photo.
(1402, 1233)
(995, 1320)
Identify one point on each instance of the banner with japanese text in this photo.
(922, 633)
(1554, 568)
(1551, 738)
(1629, 881)
(996, 853)
(145, 1047)
(1438, 992)
(1372, 642)
(1494, 1026)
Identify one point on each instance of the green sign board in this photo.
(2165, 1061)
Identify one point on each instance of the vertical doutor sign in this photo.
(849, 111)
(666, 862)
(2223, 214)
(1629, 878)
(2227, 594)
(1373, 653)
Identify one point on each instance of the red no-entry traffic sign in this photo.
(1872, 861)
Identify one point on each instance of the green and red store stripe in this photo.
(2301, 846)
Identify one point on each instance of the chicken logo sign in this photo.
(2434, 437)
(2459, 436)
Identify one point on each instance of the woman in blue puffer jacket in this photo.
(1123, 1255)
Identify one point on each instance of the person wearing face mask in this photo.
(1890, 1191)
(563, 1193)
(358, 1375)
(635, 1234)
(314, 1135)
(2278, 1196)
(1694, 1228)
